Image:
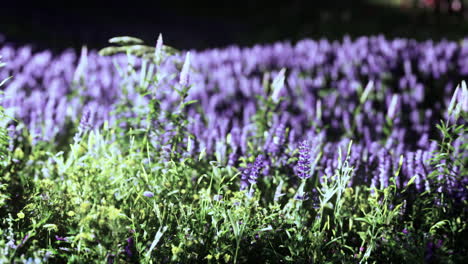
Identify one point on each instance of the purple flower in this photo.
(59, 238)
(304, 164)
(245, 173)
(232, 158)
(184, 74)
(158, 49)
(277, 85)
(302, 197)
(250, 174)
(148, 194)
(129, 248)
(392, 109)
(257, 166)
(85, 120)
(278, 139)
(384, 168)
(85, 124)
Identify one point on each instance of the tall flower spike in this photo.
(464, 97)
(82, 64)
(277, 85)
(250, 174)
(392, 109)
(85, 124)
(303, 165)
(184, 74)
(158, 49)
(256, 168)
(453, 101)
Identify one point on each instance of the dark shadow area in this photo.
(200, 24)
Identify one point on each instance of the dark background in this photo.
(201, 24)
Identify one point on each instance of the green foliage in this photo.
(3, 130)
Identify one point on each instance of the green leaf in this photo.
(4, 81)
(111, 51)
(125, 40)
(411, 180)
(156, 239)
(438, 225)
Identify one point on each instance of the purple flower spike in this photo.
(85, 120)
(148, 194)
(303, 165)
(85, 124)
(278, 139)
(129, 247)
(392, 109)
(184, 74)
(158, 49)
(250, 174)
(59, 238)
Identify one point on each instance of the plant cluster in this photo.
(313, 153)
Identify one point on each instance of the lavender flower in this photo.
(245, 174)
(250, 174)
(278, 139)
(257, 166)
(59, 238)
(83, 63)
(304, 163)
(184, 74)
(393, 107)
(384, 168)
(232, 158)
(148, 194)
(85, 120)
(277, 85)
(129, 247)
(158, 49)
(85, 124)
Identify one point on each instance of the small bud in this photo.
(20, 215)
(148, 194)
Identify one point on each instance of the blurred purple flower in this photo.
(129, 247)
(184, 74)
(158, 49)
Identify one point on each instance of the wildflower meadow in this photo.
(350, 151)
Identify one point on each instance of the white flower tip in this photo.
(453, 101)
(278, 84)
(392, 108)
(184, 75)
(158, 49)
